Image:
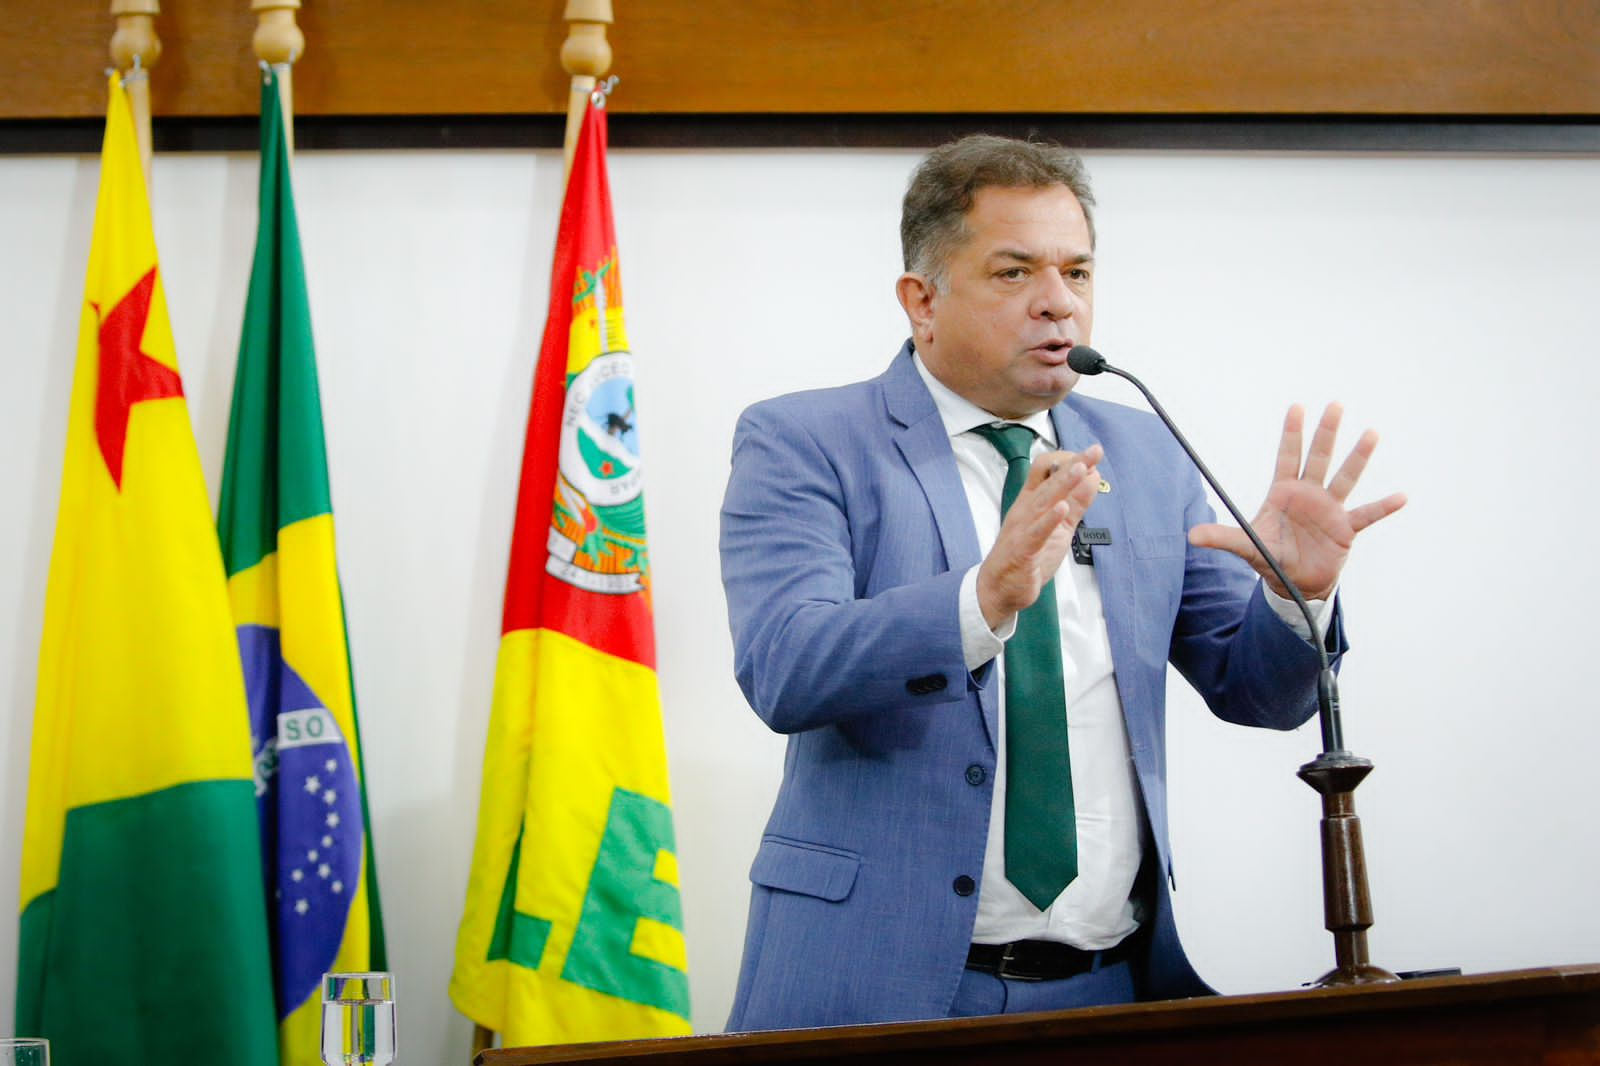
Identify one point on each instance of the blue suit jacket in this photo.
(845, 536)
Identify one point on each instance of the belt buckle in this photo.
(1004, 970)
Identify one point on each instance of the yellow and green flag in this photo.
(143, 927)
(276, 525)
(573, 926)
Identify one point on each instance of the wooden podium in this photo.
(1549, 1017)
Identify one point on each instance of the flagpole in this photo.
(279, 42)
(586, 55)
(135, 48)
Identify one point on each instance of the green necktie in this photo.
(1041, 822)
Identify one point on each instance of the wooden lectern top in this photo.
(1548, 1016)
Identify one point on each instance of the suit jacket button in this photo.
(975, 774)
(964, 885)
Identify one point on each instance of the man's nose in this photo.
(1054, 298)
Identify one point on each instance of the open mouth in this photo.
(1053, 351)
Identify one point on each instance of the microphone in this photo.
(1088, 362)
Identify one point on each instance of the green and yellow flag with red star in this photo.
(573, 927)
(143, 924)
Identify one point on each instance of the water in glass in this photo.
(358, 1019)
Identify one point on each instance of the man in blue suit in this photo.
(973, 814)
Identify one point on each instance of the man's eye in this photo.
(1077, 274)
(1013, 273)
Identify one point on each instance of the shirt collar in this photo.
(960, 415)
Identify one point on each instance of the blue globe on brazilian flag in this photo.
(309, 802)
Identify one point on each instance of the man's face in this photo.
(1019, 293)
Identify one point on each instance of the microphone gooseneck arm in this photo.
(1088, 362)
(1346, 903)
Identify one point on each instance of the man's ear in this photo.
(916, 295)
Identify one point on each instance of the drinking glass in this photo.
(24, 1051)
(358, 1019)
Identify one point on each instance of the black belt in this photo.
(1039, 960)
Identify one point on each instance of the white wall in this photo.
(1448, 301)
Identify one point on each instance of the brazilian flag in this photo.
(276, 524)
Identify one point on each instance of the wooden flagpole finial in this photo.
(586, 55)
(135, 48)
(279, 42)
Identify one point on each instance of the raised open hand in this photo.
(1303, 522)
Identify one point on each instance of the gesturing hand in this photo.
(1303, 522)
(1037, 532)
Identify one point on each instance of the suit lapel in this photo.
(1112, 564)
(920, 435)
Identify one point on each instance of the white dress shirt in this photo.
(1097, 909)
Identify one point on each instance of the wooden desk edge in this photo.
(1168, 1015)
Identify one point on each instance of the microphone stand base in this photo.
(1347, 906)
(1343, 976)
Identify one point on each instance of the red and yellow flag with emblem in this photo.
(143, 925)
(573, 928)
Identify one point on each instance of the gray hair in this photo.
(944, 185)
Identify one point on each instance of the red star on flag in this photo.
(127, 375)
